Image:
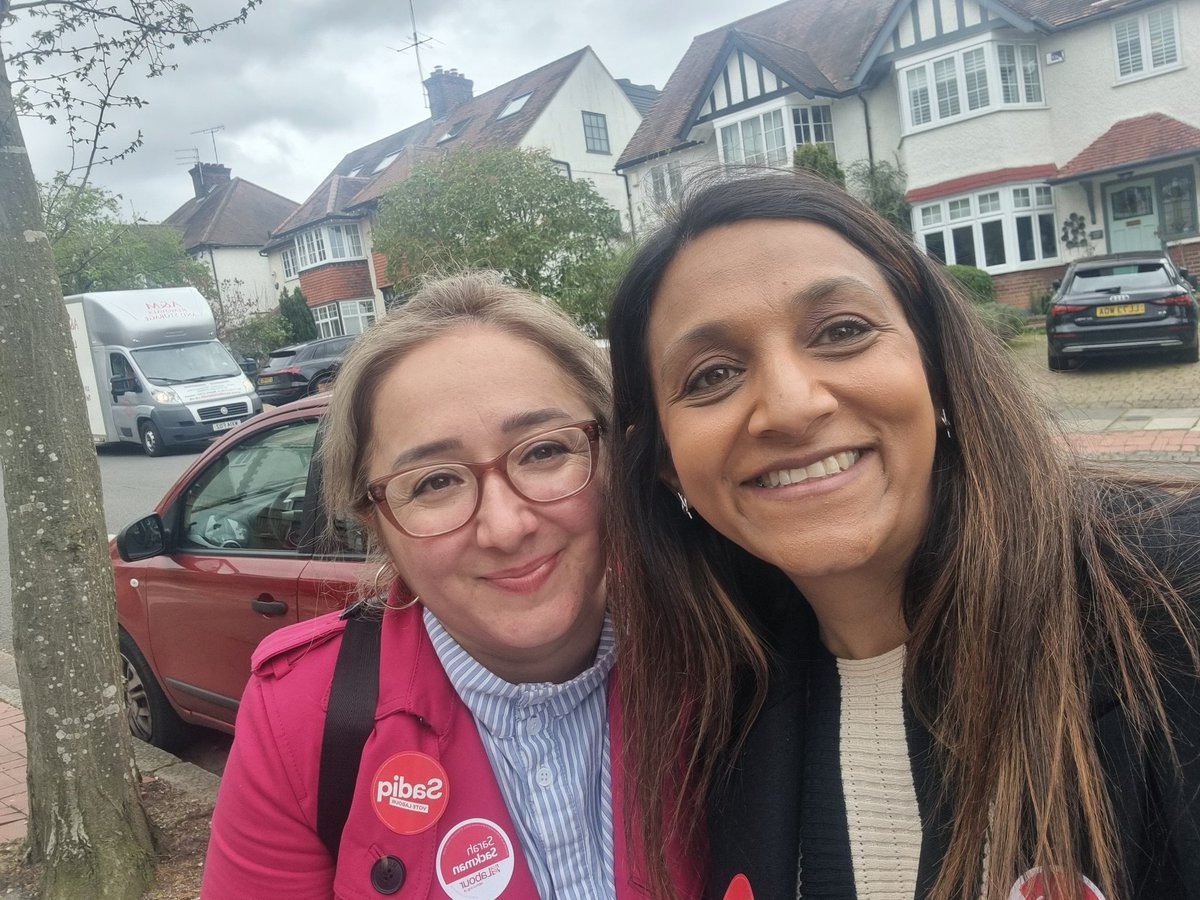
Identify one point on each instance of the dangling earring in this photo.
(945, 420)
(384, 602)
(687, 510)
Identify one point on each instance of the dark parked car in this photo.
(1122, 303)
(301, 369)
(235, 550)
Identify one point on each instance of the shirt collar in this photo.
(498, 705)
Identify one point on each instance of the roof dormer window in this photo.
(385, 162)
(514, 105)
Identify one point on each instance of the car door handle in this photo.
(268, 605)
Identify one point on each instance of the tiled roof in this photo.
(829, 37)
(982, 179)
(1133, 142)
(235, 213)
(474, 124)
(794, 62)
(1061, 13)
(642, 96)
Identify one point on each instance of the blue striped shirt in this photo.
(549, 749)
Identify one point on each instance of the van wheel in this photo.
(152, 441)
(150, 715)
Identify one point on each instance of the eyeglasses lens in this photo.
(438, 499)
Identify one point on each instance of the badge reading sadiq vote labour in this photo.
(410, 792)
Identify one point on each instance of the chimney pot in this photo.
(206, 176)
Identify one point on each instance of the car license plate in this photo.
(1125, 309)
(265, 379)
(225, 426)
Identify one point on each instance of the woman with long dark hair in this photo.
(912, 646)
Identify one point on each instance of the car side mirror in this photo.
(142, 539)
(120, 385)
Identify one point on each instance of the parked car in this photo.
(301, 370)
(236, 549)
(1122, 303)
(247, 364)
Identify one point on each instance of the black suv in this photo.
(301, 369)
(1119, 303)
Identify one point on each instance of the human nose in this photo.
(793, 395)
(504, 517)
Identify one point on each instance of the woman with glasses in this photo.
(466, 435)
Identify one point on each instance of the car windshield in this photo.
(183, 363)
(1122, 278)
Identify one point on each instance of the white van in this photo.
(153, 370)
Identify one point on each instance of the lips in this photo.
(525, 578)
(834, 464)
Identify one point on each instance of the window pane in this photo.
(1129, 47)
(354, 240)
(935, 245)
(595, 132)
(1045, 196)
(752, 141)
(931, 215)
(989, 202)
(975, 74)
(918, 96)
(731, 145)
(822, 119)
(1032, 78)
(1048, 234)
(964, 245)
(993, 243)
(1010, 90)
(1163, 50)
(945, 79)
(960, 209)
(1177, 203)
(774, 138)
(336, 248)
(1025, 246)
(1021, 198)
(802, 126)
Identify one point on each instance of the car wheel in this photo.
(152, 441)
(1190, 354)
(321, 383)
(151, 716)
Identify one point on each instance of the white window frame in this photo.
(663, 183)
(1145, 45)
(514, 106)
(788, 119)
(1003, 204)
(289, 262)
(928, 93)
(819, 118)
(319, 245)
(329, 324)
(356, 315)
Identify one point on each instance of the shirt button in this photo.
(387, 875)
(533, 725)
(544, 776)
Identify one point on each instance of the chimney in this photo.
(448, 90)
(206, 176)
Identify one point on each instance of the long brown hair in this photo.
(1025, 583)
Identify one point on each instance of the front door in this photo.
(1133, 215)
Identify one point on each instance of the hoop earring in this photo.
(683, 503)
(945, 422)
(397, 607)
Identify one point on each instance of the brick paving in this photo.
(1123, 409)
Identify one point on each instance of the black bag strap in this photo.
(348, 722)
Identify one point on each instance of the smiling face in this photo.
(791, 393)
(520, 586)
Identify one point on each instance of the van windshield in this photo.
(183, 363)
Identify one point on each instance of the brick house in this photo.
(224, 225)
(571, 107)
(1031, 131)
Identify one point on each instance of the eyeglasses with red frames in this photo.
(436, 499)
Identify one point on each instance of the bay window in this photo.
(978, 79)
(765, 139)
(326, 242)
(999, 229)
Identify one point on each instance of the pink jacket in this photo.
(425, 793)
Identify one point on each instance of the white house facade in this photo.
(1030, 131)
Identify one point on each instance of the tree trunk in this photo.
(86, 821)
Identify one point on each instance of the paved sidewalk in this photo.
(14, 803)
(1163, 435)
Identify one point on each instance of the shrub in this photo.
(881, 185)
(260, 334)
(976, 283)
(819, 159)
(1006, 322)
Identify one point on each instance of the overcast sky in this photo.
(304, 82)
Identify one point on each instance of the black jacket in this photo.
(754, 823)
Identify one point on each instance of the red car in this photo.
(236, 549)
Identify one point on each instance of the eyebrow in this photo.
(715, 332)
(514, 423)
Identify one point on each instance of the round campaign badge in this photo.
(475, 860)
(1037, 885)
(410, 792)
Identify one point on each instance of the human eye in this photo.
(433, 483)
(845, 330)
(710, 378)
